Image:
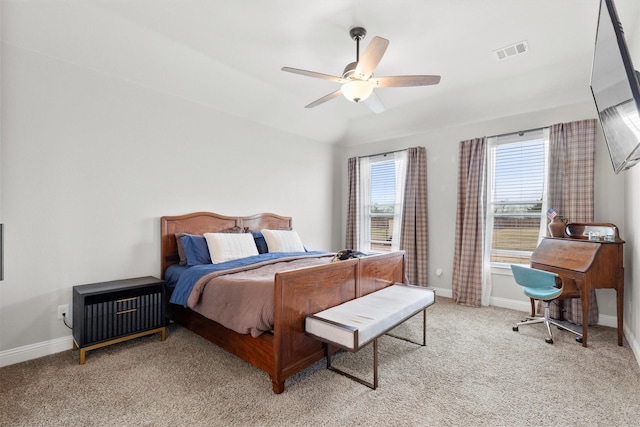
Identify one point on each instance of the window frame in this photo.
(365, 242)
(494, 142)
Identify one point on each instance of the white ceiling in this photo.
(227, 55)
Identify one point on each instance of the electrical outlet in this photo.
(63, 309)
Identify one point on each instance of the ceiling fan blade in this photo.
(370, 58)
(324, 99)
(374, 103)
(405, 81)
(314, 74)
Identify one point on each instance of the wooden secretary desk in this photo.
(592, 255)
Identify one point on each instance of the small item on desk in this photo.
(347, 254)
(557, 224)
(594, 236)
(610, 238)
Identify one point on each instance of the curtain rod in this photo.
(384, 154)
(520, 132)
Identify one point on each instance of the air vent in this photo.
(513, 50)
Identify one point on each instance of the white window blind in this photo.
(517, 195)
(382, 189)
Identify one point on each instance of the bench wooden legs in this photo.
(374, 385)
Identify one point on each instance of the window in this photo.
(381, 190)
(631, 118)
(516, 195)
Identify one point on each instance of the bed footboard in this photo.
(298, 293)
(311, 290)
(379, 271)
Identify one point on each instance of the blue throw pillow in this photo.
(261, 243)
(195, 249)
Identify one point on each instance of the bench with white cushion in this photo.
(354, 324)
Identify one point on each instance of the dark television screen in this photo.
(616, 90)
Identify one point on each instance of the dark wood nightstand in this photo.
(111, 312)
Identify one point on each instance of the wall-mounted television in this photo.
(615, 86)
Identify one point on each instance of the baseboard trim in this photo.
(34, 351)
(603, 319)
(443, 292)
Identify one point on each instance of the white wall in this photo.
(89, 163)
(629, 14)
(442, 169)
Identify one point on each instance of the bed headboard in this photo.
(209, 222)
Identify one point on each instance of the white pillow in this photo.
(283, 241)
(229, 246)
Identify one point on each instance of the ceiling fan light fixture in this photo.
(357, 78)
(357, 90)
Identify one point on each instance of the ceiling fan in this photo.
(357, 78)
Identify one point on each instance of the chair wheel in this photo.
(549, 340)
(515, 329)
(579, 339)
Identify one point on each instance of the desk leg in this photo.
(620, 305)
(585, 312)
(533, 307)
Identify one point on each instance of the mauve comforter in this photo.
(241, 299)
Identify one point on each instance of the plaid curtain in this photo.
(467, 273)
(353, 204)
(414, 233)
(572, 153)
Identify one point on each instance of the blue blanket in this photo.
(189, 276)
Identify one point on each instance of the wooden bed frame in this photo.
(297, 293)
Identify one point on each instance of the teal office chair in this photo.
(545, 286)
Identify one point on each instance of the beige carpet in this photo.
(474, 371)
